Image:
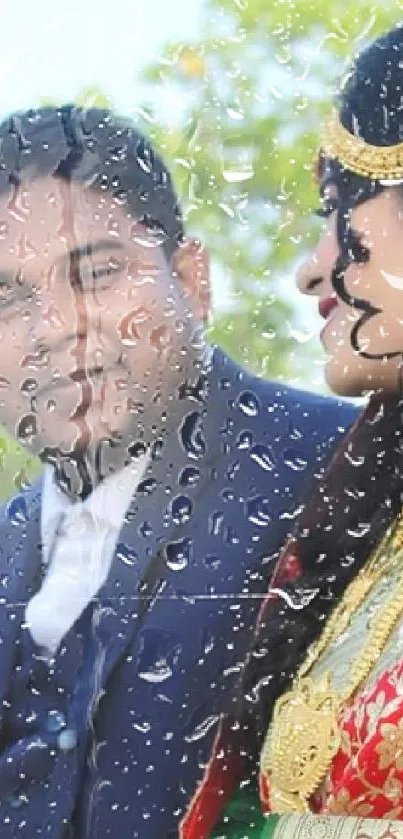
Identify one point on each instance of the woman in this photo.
(322, 698)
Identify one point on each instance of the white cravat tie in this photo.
(79, 545)
(77, 569)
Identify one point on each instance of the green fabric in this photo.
(243, 819)
(269, 827)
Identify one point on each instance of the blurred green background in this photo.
(236, 109)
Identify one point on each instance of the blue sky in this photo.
(53, 49)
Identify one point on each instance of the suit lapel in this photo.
(154, 540)
(20, 563)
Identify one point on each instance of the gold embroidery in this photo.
(342, 804)
(299, 761)
(390, 749)
(393, 792)
(304, 736)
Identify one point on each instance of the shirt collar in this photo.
(108, 502)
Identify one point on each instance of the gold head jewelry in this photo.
(304, 735)
(379, 163)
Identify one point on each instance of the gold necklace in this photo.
(304, 735)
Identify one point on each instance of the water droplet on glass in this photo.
(355, 461)
(294, 460)
(290, 515)
(299, 335)
(17, 511)
(160, 338)
(191, 435)
(160, 672)
(145, 156)
(127, 329)
(178, 554)
(211, 562)
(158, 655)
(189, 476)
(145, 529)
(244, 440)
(248, 403)
(235, 113)
(231, 537)
(26, 428)
(361, 530)
(215, 521)
(181, 509)
(298, 599)
(238, 174)
(147, 486)
(28, 386)
(53, 318)
(263, 456)
(125, 554)
(201, 730)
(36, 360)
(258, 510)
(294, 432)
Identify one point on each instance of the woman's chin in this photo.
(345, 381)
(355, 380)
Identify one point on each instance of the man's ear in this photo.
(191, 263)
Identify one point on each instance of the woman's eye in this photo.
(326, 210)
(359, 253)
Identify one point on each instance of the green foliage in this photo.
(16, 466)
(242, 109)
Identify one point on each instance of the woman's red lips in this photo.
(326, 305)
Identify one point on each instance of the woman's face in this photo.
(363, 333)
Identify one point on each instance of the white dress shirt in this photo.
(78, 544)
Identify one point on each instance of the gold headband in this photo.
(379, 163)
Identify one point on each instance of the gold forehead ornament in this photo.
(378, 163)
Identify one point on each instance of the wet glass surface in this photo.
(191, 477)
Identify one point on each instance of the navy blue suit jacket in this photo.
(175, 618)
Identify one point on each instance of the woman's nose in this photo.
(309, 275)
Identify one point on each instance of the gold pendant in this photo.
(301, 744)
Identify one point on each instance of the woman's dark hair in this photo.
(98, 149)
(350, 507)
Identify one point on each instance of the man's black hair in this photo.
(99, 149)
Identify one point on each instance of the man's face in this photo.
(92, 322)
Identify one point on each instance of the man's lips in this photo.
(326, 305)
(86, 375)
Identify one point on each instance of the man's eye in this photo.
(107, 269)
(10, 288)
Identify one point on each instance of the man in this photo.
(132, 573)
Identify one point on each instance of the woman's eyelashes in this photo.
(327, 207)
(357, 252)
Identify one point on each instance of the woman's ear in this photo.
(191, 264)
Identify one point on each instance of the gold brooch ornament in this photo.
(304, 735)
(379, 163)
(298, 760)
